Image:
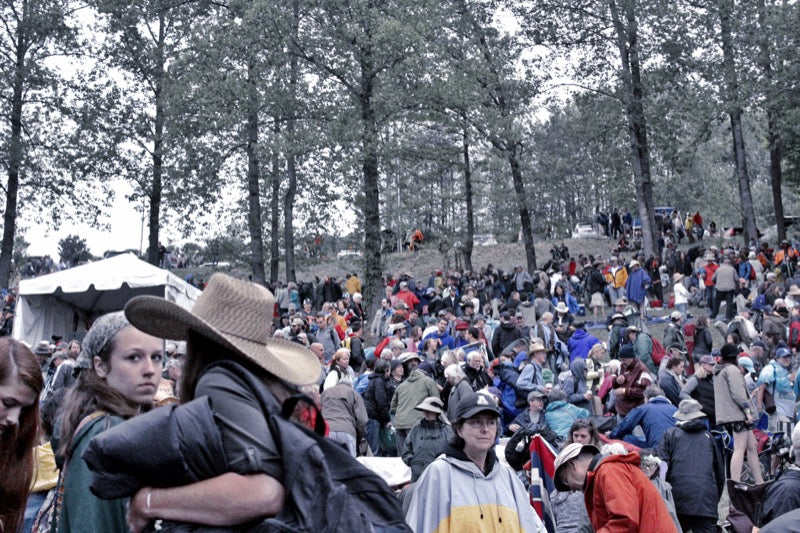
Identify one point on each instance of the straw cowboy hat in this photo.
(236, 315)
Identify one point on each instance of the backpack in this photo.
(518, 448)
(658, 352)
(315, 465)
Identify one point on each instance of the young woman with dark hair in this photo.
(120, 369)
(20, 384)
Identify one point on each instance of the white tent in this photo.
(64, 303)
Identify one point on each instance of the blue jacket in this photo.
(636, 286)
(572, 304)
(560, 416)
(447, 341)
(655, 417)
(580, 343)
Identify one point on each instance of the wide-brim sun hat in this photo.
(570, 452)
(677, 276)
(235, 314)
(562, 308)
(689, 409)
(432, 404)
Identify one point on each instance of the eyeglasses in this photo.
(476, 423)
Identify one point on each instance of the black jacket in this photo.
(503, 336)
(782, 496)
(704, 393)
(696, 470)
(378, 398)
(150, 450)
(478, 379)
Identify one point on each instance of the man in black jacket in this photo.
(506, 333)
(696, 469)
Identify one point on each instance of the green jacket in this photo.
(643, 348)
(408, 395)
(81, 510)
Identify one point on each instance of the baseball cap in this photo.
(476, 403)
(707, 360)
(783, 352)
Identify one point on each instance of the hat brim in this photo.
(559, 483)
(689, 416)
(478, 409)
(429, 409)
(164, 319)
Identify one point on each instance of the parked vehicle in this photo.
(584, 231)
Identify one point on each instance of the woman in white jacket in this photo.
(681, 293)
(466, 488)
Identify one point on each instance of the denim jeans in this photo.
(373, 432)
(345, 438)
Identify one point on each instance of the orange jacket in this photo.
(780, 255)
(620, 498)
(617, 279)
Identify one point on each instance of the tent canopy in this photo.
(64, 303)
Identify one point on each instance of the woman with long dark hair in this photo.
(20, 384)
(119, 372)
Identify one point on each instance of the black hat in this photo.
(729, 352)
(626, 352)
(476, 403)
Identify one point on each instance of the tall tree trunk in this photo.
(291, 161)
(254, 182)
(274, 214)
(735, 112)
(509, 147)
(372, 220)
(14, 150)
(773, 120)
(522, 206)
(288, 213)
(158, 150)
(627, 45)
(468, 241)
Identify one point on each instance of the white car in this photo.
(584, 231)
(348, 253)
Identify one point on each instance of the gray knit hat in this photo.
(101, 332)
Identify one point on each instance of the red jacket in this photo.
(637, 378)
(408, 298)
(620, 498)
(710, 269)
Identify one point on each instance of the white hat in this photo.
(633, 263)
(562, 308)
(394, 327)
(570, 452)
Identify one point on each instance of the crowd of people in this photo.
(646, 427)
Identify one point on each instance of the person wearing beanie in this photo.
(633, 379)
(735, 413)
